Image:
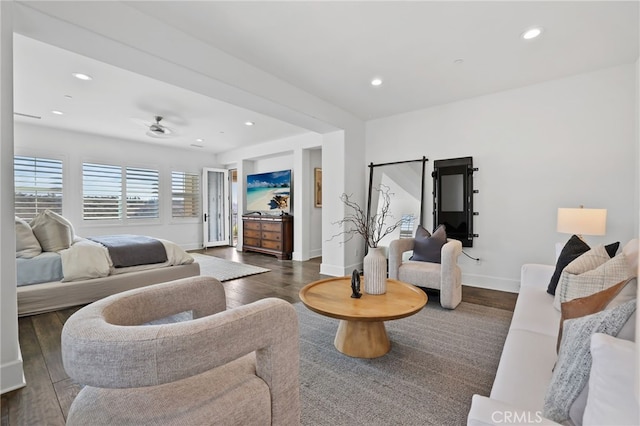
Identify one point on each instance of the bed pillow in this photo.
(571, 372)
(53, 231)
(427, 247)
(27, 245)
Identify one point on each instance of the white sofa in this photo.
(529, 354)
(528, 357)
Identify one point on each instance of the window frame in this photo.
(197, 196)
(40, 158)
(123, 219)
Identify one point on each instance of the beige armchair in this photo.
(445, 276)
(224, 367)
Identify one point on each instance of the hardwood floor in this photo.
(49, 392)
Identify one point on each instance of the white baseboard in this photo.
(338, 271)
(12, 376)
(491, 283)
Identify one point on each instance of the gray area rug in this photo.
(225, 270)
(438, 360)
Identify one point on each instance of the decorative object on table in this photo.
(372, 228)
(355, 284)
(317, 185)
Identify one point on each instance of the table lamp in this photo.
(582, 221)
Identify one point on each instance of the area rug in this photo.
(439, 358)
(225, 270)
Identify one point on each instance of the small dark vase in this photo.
(355, 284)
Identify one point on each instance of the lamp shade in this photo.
(582, 221)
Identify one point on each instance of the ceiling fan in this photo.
(157, 130)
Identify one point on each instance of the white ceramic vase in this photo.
(375, 271)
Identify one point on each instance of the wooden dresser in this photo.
(268, 234)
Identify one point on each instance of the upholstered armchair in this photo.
(445, 276)
(224, 367)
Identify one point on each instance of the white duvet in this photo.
(86, 259)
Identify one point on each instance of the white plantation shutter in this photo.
(185, 194)
(38, 185)
(142, 193)
(101, 191)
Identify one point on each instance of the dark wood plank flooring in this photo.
(49, 391)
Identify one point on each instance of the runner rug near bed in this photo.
(225, 270)
(439, 358)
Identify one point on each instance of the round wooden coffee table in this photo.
(361, 332)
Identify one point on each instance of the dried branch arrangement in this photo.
(372, 230)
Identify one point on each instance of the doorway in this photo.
(215, 207)
(233, 182)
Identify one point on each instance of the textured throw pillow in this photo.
(574, 283)
(606, 299)
(574, 248)
(53, 231)
(427, 248)
(571, 372)
(611, 398)
(27, 245)
(583, 306)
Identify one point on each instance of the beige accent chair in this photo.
(445, 276)
(225, 367)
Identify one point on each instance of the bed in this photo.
(57, 269)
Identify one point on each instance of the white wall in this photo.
(75, 148)
(297, 154)
(11, 372)
(315, 233)
(561, 143)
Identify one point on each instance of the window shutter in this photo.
(185, 194)
(101, 191)
(38, 186)
(142, 193)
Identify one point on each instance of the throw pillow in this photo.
(583, 306)
(427, 248)
(626, 291)
(611, 399)
(571, 250)
(27, 245)
(571, 372)
(53, 231)
(604, 276)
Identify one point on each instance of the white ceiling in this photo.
(332, 50)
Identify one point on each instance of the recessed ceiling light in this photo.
(68, 96)
(81, 76)
(199, 140)
(249, 123)
(196, 146)
(376, 82)
(458, 61)
(532, 33)
(56, 112)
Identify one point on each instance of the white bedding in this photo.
(86, 259)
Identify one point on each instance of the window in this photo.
(142, 193)
(185, 194)
(38, 186)
(406, 227)
(104, 192)
(101, 191)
